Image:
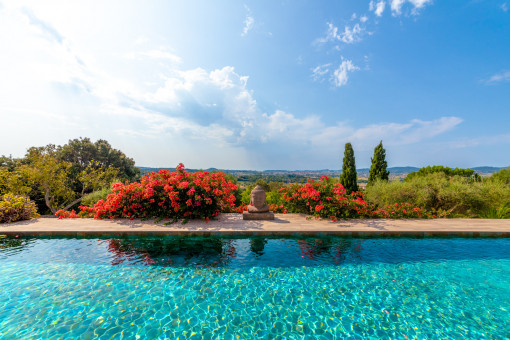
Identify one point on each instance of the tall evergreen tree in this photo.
(349, 178)
(379, 165)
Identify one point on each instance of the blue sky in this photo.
(260, 84)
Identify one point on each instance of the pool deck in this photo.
(284, 224)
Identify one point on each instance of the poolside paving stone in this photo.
(232, 224)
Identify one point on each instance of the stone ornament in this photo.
(258, 209)
(258, 203)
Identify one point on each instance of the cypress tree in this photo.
(349, 178)
(379, 165)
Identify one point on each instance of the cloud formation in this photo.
(154, 54)
(320, 71)
(349, 35)
(341, 74)
(46, 29)
(498, 78)
(416, 5)
(248, 22)
(181, 113)
(377, 8)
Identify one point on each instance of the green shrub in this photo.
(502, 175)
(460, 196)
(16, 208)
(272, 189)
(94, 197)
(274, 197)
(501, 212)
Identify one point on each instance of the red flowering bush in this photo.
(406, 210)
(400, 210)
(324, 199)
(86, 212)
(176, 195)
(66, 214)
(329, 200)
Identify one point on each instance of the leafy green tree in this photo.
(349, 177)
(13, 182)
(449, 172)
(80, 152)
(8, 163)
(378, 169)
(52, 178)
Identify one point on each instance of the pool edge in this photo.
(282, 233)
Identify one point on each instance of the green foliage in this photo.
(263, 184)
(81, 152)
(13, 182)
(348, 178)
(8, 163)
(16, 208)
(53, 178)
(499, 213)
(273, 195)
(90, 199)
(378, 169)
(459, 196)
(502, 175)
(449, 172)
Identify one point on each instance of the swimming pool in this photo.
(213, 287)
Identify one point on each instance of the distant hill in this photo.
(401, 171)
(486, 169)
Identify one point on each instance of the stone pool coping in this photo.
(284, 224)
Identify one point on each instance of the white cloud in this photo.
(498, 78)
(350, 34)
(418, 4)
(397, 5)
(377, 8)
(341, 74)
(46, 29)
(320, 71)
(363, 19)
(504, 7)
(485, 140)
(206, 117)
(404, 133)
(154, 54)
(248, 22)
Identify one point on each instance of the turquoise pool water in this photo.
(247, 288)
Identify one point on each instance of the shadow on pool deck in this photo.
(283, 224)
(375, 224)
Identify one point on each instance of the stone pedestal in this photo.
(258, 216)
